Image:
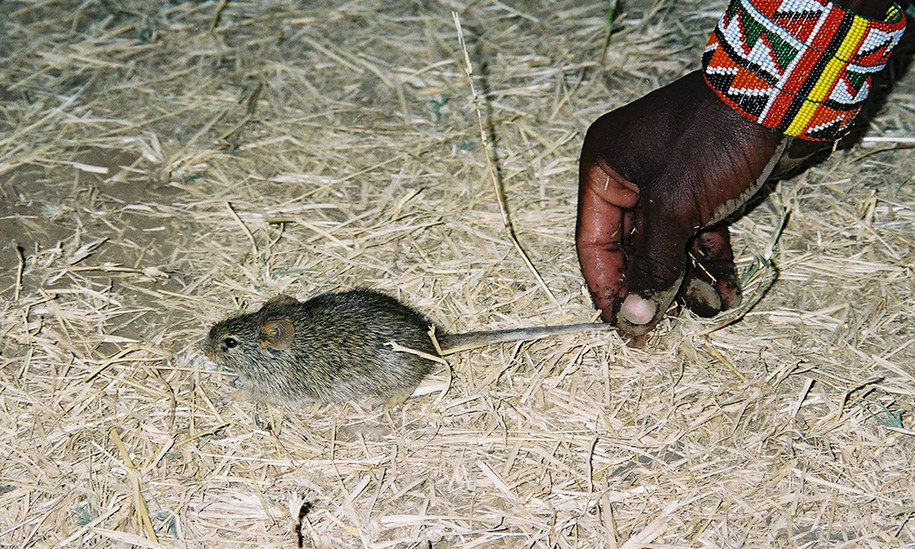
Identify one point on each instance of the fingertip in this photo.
(702, 298)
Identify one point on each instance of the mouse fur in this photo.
(330, 348)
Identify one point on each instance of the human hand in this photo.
(652, 174)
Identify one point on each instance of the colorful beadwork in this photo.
(799, 67)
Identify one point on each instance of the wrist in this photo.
(799, 67)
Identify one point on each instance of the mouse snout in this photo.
(209, 349)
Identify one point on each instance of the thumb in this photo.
(656, 267)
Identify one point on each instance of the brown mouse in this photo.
(337, 346)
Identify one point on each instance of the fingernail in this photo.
(637, 310)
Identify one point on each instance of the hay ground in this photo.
(165, 164)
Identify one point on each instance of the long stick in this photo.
(500, 199)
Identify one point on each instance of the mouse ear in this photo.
(276, 335)
(281, 299)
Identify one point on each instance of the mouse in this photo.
(337, 347)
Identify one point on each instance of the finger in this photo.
(711, 249)
(601, 202)
(657, 266)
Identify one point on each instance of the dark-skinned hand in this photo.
(655, 177)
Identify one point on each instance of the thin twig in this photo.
(500, 199)
(141, 509)
(20, 256)
(244, 228)
(214, 21)
(611, 18)
(398, 348)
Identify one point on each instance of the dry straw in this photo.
(163, 165)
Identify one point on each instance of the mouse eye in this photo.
(230, 342)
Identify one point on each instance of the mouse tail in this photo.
(453, 343)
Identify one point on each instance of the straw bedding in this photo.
(165, 164)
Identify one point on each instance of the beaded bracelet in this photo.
(798, 67)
